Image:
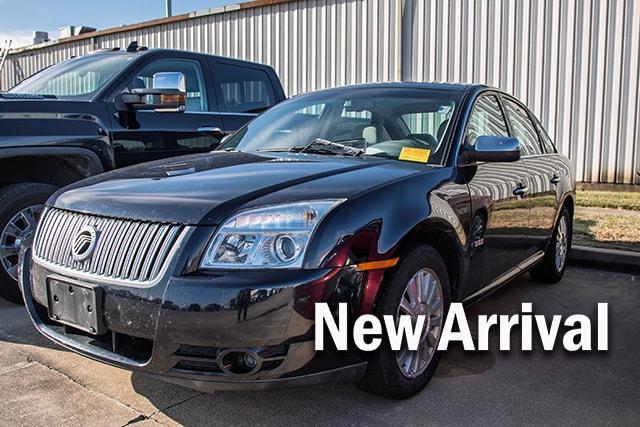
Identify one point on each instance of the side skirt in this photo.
(502, 280)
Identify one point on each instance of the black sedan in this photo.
(395, 199)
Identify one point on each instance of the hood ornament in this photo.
(84, 243)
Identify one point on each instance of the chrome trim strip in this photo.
(77, 274)
(504, 278)
(120, 264)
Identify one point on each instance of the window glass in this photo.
(196, 93)
(76, 78)
(523, 129)
(434, 123)
(350, 125)
(486, 119)
(367, 119)
(546, 140)
(244, 90)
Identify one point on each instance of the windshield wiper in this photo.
(320, 146)
(325, 146)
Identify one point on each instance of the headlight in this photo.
(270, 237)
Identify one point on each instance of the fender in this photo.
(393, 222)
(93, 161)
(38, 125)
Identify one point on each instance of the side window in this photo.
(523, 128)
(192, 70)
(486, 119)
(243, 90)
(546, 141)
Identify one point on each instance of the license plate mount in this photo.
(76, 304)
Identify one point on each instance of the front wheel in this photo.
(418, 286)
(20, 209)
(554, 263)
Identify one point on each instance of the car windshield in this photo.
(77, 78)
(399, 123)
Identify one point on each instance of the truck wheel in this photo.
(20, 209)
(418, 286)
(552, 267)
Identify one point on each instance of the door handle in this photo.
(555, 179)
(211, 129)
(520, 190)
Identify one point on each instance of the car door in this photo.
(542, 171)
(499, 200)
(243, 92)
(158, 135)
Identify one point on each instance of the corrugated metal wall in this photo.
(311, 44)
(574, 62)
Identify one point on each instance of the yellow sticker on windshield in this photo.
(420, 155)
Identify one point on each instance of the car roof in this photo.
(453, 87)
(160, 52)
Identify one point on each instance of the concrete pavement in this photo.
(41, 384)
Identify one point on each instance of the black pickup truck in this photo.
(110, 109)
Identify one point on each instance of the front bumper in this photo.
(196, 330)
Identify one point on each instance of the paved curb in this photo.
(609, 259)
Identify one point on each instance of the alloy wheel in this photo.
(19, 227)
(422, 296)
(562, 243)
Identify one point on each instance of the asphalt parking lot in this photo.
(41, 384)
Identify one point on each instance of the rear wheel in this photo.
(418, 286)
(20, 209)
(552, 267)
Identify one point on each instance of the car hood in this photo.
(204, 189)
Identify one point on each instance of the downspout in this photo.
(407, 15)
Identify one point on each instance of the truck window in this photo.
(77, 78)
(243, 90)
(196, 92)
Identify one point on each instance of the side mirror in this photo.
(168, 95)
(491, 149)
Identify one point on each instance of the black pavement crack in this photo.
(173, 405)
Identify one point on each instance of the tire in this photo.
(28, 198)
(550, 271)
(384, 375)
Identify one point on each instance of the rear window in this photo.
(244, 90)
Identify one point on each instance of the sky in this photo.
(21, 17)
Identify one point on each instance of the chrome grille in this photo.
(126, 250)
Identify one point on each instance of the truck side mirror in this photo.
(168, 95)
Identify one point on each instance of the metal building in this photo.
(576, 63)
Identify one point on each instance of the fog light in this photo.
(239, 362)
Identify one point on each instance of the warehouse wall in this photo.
(574, 62)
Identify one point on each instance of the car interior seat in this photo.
(370, 135)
